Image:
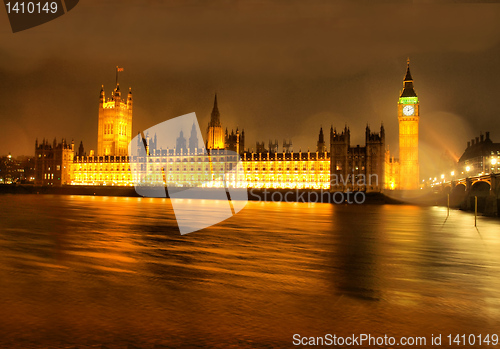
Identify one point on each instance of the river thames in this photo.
(114, 272)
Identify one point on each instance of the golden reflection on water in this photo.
(85, 270)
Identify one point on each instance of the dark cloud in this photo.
(281, 69)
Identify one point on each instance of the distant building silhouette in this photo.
(481, 156)
(357, 168)
(273, 146)
(193, 140)
(52, 162)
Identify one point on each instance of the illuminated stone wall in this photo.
(408, 150)
(391, 172)
(115, 124)
(267, 170)
(287, 170)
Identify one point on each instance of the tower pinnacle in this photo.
(408, 90)
(214, 131)
(215, 117)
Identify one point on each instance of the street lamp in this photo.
(467, 168)
(452, 173)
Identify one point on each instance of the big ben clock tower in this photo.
(408, 117)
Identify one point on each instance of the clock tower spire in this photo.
(215, 136)
(408, 117)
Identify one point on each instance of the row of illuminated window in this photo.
(109, 129)
(320, 178)
(358, 166)
(302, 178)
(80, 177)
(226, 159)
(58, 168)
(106, 168)
(289, 162)
(214, 167)
(286, 167)
(154, 178)
(185, 159)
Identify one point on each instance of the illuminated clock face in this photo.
(408, 110)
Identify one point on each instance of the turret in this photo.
(321, 137)
(117, 95)
(193, 139)
(321, 147)
(129, 98)
(215, 116)
(102, 97)
(242, 141)
(81, 149)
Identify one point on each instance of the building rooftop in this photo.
(479, 147)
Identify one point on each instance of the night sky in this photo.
(280, 70)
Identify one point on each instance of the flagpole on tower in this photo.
(118, 69)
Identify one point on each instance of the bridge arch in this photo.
(481, 181)
(458, 194)
(462, 182)
(481, 190)
(481, 186)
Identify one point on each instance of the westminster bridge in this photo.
(464, 190)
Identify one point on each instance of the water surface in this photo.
(84, 271)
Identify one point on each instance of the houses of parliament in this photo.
(334, 166)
